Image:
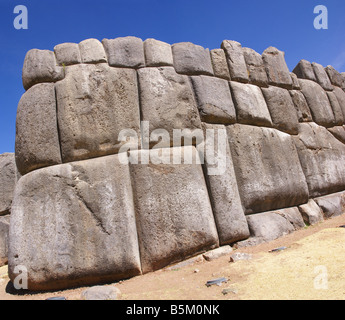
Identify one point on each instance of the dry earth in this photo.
(311, 267)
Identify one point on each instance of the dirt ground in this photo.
(311, 267)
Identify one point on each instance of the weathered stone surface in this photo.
(214, 100)
(8, 181)
(37, 139)
(322, 158)
(338, 132)
(334, 76)
(311, 212)
(282, 109)
(101, 293)
(219, 63)
(95, 102)
(276, 68)
(340, 94)
(332, 205)
(337, 112)
(167, 101)
(40, 66)
(125, 52)
(292, 215)
(321, 76)
(295, 83)
(92, 51)
(67, 54)
(268, 171)
(237, 256)
(173, 210)
(256, 68)
(301, 106)
(74, 224)
(250, 105)
(157, 53)
(225, 198)
(191, 59)
(236, 62)
(4, 228)
(318, 103)
(343, 76)
(304, 70)
(217, 253)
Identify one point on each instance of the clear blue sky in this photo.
(287, 25)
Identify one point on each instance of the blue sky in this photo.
(287, 25)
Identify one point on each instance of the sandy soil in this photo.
(311, 267)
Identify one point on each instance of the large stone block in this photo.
(282, 109)
(338, 132)
(277, 71)
(332, 205)
(125, 52)
(322, 158)
(40, 66)
(191, 59)
(301, 105)
(67, 54)
(4, 241)
(157, 53)
(92, 51)
(340, 94)
(225, 198)
(318, 103)
(173, 210)
(268, 170)
(37, 139)
(236, 62)
(8, 178)
(256, 68)
(250, 104)
(220, 66)
(311, 212)
(334, 76)
(167, 101)
(214, 100)
(94, 103)
(337, 112)
(295, 83)
(74, 224)
(322, 76)
(304, 70)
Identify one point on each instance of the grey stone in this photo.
(214, 100)
(292, 215)
(95, 102)
(332, 205)
(343, 76)
(167, 101)
(101, 293)
(191, 59)
(225, 198)
(173, 210)
(8, 181)
(92, 51)
(188, 262)
(338, 132)
(236, 62)
(282, 109)
(4, 229)
(37, 140)
(311, 212)
(318, 103)
(256, 68)
(40, 66)
(217, 253)
(340, 94)
(301, 106)
(268, 170)
(277, 71)
(304, 70)
(337, 112)
(250, 105)
(67, 54)
(237, 256)
(295, 83)
(157, 53)
(125, 52)
(219, 63)
(334, 76)
(322, 158)
(322, 77)
(74, 224)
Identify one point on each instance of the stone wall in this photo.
(86, 210)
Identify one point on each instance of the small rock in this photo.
(240, 256)
(229, 290)
(196, 270)
(101, 293)
(218, 282)
(216, 253)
